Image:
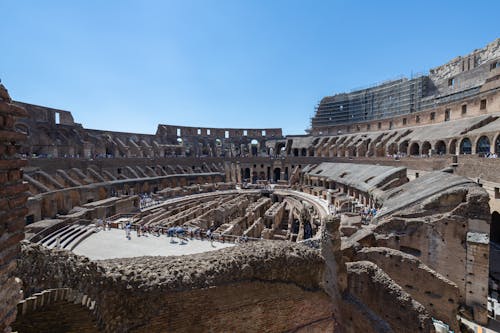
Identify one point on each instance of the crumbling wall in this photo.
(385, 300)
(13, 198)
(439, 295)
(268, 286)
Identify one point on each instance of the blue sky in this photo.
(130, 65)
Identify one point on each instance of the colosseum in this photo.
(385, 217)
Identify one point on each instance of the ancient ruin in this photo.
(384, 218)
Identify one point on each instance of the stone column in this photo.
(477, 266)
(335, 276)
(13, 196)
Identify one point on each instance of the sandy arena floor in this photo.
(113, 244)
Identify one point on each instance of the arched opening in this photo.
(497, 144)
(246, 174)
(277, 174)
(295, 152)
(414, 149)
(303, 152)
(483, 145)
(440, 147)
(426, 148)
(255, 147)
(403, 147)
(453, 147)
(254, 177)
(465, 146)
(392, 149)
(495, 227)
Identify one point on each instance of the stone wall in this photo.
(13, 197)
(268, 286)
(386, 300)
(439, 295)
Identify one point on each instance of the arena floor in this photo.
(113, 244)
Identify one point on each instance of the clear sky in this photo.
(130, 65)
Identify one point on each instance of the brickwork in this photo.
(13, 197)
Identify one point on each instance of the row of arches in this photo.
(465, 146)
(481, 146)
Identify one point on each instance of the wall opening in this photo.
(58, 117)
(482, 106)
(466, 146)
(440, 147)
(483, 145)
(495, 227)
(277, 174)
(30, 219)
(447, 114)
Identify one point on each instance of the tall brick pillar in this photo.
(13, 195)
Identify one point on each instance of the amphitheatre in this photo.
(385, 217)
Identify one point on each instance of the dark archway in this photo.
(403, 147)
(304, 152)
(440, 147)
(497, 145)
(246, 174)
(495, 227)
(277, 174)
(426, 148)
(255, 147)
(453, 147)
(465, 146)
(483, 145)
(414, 149)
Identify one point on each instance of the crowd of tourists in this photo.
(146, 200)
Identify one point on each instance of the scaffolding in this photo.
(389, 99)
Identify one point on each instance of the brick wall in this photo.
(12, 208)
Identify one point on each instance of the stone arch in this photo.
(497, 144)
(392, 148)
(483, 145)
(465, 146)
(440, 147)
(403, 147)
(452, 149)
(414, 149)
(426, 148)
(254, 144)
(277, 174)
(246, 173)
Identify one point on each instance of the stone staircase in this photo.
(68, 237)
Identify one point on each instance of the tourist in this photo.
(128, 226)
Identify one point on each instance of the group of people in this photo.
(178, 231)
(146, 201)
(367, 214)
